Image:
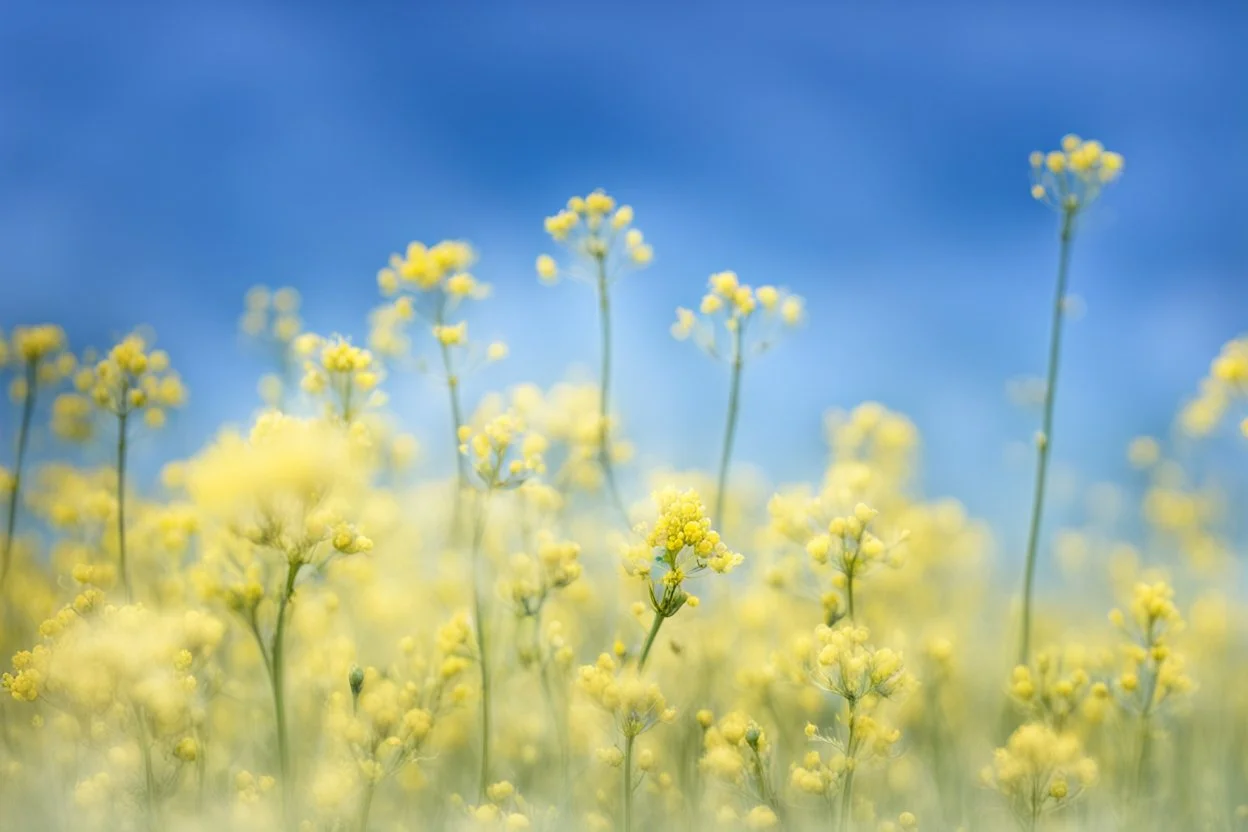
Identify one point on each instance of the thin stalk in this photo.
(848, 788)
(650, 637)
(604, 390)
(277, 678)
(478, 612)
(457, 421)
(849, 594)
(730, 429)
(23, 437)
(561, 731)
(1045, 442)
(628, 782)
(122, 418)
(366, 803)
(149, 775)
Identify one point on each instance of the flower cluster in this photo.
(595, 229)
(130, 379)
(635, 704)
(1039, 770)
(682, 544)
(40, 353)
(501, 451)
(342, 372)
(1070, 179)
(730, 308)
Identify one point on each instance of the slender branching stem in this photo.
(122, 419)
(650, 637)
(23, 438)
(1044, 443)
(483, 661)
(730, 429)
(627, 770)
(277, 678)
(604, 389)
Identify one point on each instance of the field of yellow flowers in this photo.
(301, 629)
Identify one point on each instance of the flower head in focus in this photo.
(1070, 179)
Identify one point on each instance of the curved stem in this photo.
(650, 637)
(277, 678)
(478, 611)
(23, 437)
(604, 390)
(730, 429)
(1045, 442)
(121, 502)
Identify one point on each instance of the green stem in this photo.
(23, 437)
(849, 594)
(604, 390)
(848, 788)
(628, 782)
(457, 421)
(1045, 442)
(149, 775)
(478, 611)
(650, 637)
(366, 803)
(122, 418)
(277, 677)
(561, 731)
(730, 430)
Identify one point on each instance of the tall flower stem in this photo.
(23, 437)
(478, 613)
(277, 678)
(122, 419)
(847, 790)
(628, 782)
(561, 729)
(650, 637)
(604, 395)
(730, 429)
(1045, 441)
(457, 421)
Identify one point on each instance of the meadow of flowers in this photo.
(303, 627)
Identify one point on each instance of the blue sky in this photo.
(156, 159)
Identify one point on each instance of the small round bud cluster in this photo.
(1070, 179)
(598, 231)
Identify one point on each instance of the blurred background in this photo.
(157, 159)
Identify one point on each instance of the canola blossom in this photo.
(305, 626)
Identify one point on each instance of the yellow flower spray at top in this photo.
(274, 499)
(681, 544)
(504, 457)
(636, 706)
(129, 380)
(39, 352)
(345, 374)
(861, 676)
(1069, 180)
(386, 719)
(1153, 672)
(750, 318)
(600, 234)
(1039, 771)
(432, 282)
(271, 320)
